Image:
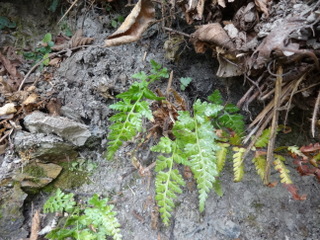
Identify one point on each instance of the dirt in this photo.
(247, 210)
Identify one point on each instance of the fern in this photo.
(60, 202)
(228, 118)
(263, 140)
(282, 169)
(97, 214)
(260, 163)
(222, 155)
(168, 180)
(197, 133)
(133, 108)
(238, 167)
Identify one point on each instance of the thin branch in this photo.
(314, 115)
(274, 125)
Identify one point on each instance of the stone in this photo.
(11, 216)
(37, 175)
(227, 228)
(45, 147)
(70, 130)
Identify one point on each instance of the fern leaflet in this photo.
(238, 167)
(263, 139)
(282, 169)
(168, 180)
(133, 108)
(197, 133)
(222, 155)
(260, 163)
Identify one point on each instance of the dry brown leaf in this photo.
(10, 67)
(276, 41)
(55, 61)
(76, 41)
(7, 109)
(35, 227)
(31, 99)
(134, 24)
(222, 3)
(262, 6)
(211, 34)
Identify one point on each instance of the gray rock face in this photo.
(74, 132)
(45, 147)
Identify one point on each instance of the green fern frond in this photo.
(232, 121)
(216, 97)
(222, 155)
(133, 108)
(296, 150)
(199, 138)
(263, 140)
(238, 167)
(282, 169)
(60, 202)
(168, 180)
(260, 163)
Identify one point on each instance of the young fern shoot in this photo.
(132, 109)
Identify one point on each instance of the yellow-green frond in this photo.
(238, 167)
(282, 169)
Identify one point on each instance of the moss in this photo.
(34, 171)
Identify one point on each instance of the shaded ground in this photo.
(246, 211)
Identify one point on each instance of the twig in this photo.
(42, 60)
(169, 84)
(178, 32)
(314, 115)
(274, 125)
(293, 92)
(67, 11)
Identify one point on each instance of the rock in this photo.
(47, 148)
(11, 216)
(72, 131)
(227, 228)
(37, 175)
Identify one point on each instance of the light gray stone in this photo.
(74, 132)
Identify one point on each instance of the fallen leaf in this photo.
(7, 109)
(310, 148)
(31, 99)
(134, 24)
(294, 192)
(35, 227)
(222, 3)
(76, 41)
(211, 34)
(262, 6)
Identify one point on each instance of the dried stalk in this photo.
(274, 125)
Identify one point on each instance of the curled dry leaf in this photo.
(211, 34)
(76, 41)
(276, 41)
(134, 24)
(7, 109)
(31, 99)
(262, 6)
(310, 148)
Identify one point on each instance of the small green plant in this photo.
(94, 220)
(185, 83)
(133, 108)
(82, 165)
(117, 21)
(41, 53)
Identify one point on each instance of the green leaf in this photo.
(215, 97)
(47, 38)
(263, 140)
(150, 95)
(53, 6)
(60, 202)
(185, 82)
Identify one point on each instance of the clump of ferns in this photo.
(198, 139)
